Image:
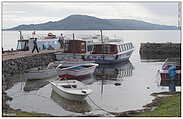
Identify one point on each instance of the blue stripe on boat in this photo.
(77, 68)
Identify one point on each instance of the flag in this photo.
(33, 33)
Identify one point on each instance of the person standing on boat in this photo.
(35, 45)
(172, 77)
(61, 41)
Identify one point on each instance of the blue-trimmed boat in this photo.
(115, 51)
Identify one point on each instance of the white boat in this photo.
(82, 106)
(76, 71)
(69, 63)
(111, 52)
(40, 73)
(71, 89)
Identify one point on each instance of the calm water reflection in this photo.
(37, 95)
(138, 80)
(73, 106)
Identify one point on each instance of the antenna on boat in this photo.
(102, 42)
(73, 45)
(21, 37)
(101, 36)
(73, 36)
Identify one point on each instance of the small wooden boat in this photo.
(164, 71)
(71, 89)
(76, 71)
(40, 73)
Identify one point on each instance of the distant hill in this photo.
(84, 22)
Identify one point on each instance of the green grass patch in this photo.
(14, 113)
(169, 107)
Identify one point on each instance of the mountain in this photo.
(84, 22)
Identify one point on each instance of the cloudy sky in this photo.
(16, 13)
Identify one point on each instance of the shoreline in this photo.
(7, 111)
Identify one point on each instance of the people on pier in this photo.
(61, 41)
(35, 45)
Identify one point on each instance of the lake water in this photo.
(138, 79)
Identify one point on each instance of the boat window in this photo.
(124, 46)
(82, 46)
(127, 45)
(74, 86)
(130, 46)
(106, 49)
(66, 86)
(120, 48)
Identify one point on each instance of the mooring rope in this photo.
(99, 106)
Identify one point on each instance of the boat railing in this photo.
(38, 36)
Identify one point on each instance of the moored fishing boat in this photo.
(71, 89)
(76, 71)
(164, 71)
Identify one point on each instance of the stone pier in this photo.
(17, 62)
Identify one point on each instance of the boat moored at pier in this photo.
(111, 52)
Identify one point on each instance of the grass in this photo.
(169, 107)
(14, 113)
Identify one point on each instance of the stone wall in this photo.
(13, 66)
(160, 50)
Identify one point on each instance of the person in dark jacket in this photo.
(35, 45)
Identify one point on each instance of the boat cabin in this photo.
(25, 45)
(111, 48)
(77, 46)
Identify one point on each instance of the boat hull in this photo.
(68, 73)
(68, 96)
(111, 59)
(41, 74)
